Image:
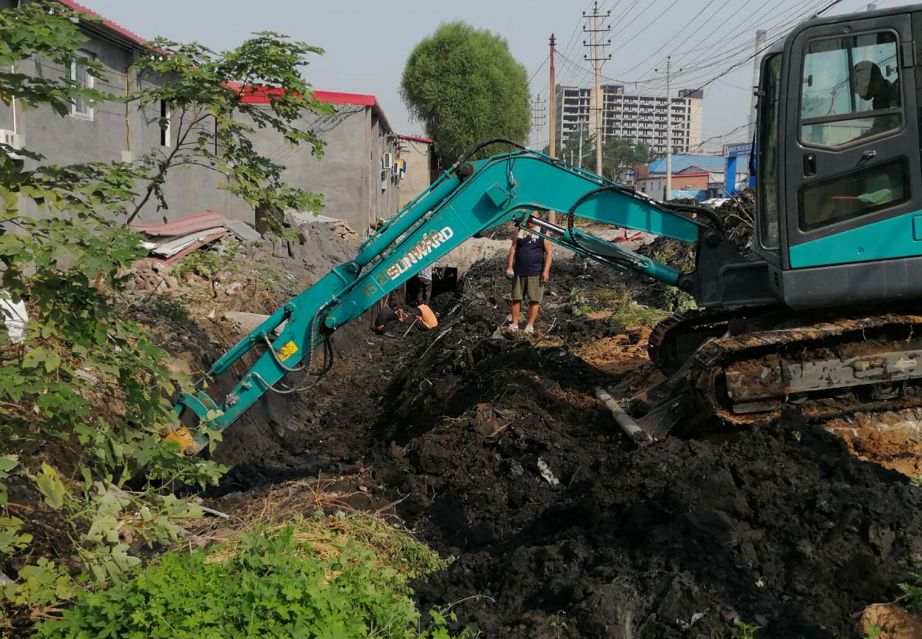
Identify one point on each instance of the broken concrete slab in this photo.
(248, 322)
(242, 230)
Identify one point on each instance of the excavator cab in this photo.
(840, 181)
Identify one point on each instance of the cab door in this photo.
(852, 163)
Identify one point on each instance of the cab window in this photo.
(851, 89)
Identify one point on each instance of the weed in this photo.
(873, 633)
(558, 623)
(912, 592)
(207, 263)
(579, 303)
(743, 630)
(272, 584)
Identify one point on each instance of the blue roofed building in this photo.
(694, 175)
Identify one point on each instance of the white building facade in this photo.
(632, 116)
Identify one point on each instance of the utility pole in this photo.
(598, 58)
(552, 132)
(668, 194)
(579, 151)
(538, 117)
(756, 63)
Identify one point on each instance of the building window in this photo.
(166, 114)
(81, 107)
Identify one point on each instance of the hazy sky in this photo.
(367, 42)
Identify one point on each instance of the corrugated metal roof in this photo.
(682, 161)
(255, 94)
(413, 138)
(181, 226)
(105, 22)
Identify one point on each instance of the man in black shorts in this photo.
(529, 266)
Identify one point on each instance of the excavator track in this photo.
(675, 339)
(828, 369)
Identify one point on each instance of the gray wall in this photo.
(348, 176)
(116, 132)
(417, 179)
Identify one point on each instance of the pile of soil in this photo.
(512, 466)
(496, 451)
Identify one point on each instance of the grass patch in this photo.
(341, 576)
(633, 315)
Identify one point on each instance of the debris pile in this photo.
(505, 459)
(496, 451)
(171, 241)
(738, 216)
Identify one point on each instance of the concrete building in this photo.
(359, 175)
(356, 176)
(417, 165)
(633, 116)
(105, 132)
(695, 176)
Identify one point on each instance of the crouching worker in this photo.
(388, 319)
(425, 318)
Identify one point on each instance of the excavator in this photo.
(820, 312)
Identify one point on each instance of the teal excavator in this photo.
(821, 312)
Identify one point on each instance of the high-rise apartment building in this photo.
(637, 117)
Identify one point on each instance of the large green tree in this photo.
(465, 87)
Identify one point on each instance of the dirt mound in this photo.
(507, 461)
(497, 452)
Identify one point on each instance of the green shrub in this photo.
(272, 585)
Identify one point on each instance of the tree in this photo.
(465, 87)
(619, 155)
(84, 398)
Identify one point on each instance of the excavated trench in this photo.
(497, 452)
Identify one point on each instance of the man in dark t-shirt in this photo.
(387, 320)
(529, 266)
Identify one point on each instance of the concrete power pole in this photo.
(668, 194)
(552, 133)
(756, 64)
(552, 128)
(579, 151)
(597, 58)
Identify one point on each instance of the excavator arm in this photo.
(467, 200)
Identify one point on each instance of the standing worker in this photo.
(529, 266)
(425, 285)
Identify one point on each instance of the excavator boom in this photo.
(468, 199)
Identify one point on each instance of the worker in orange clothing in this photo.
(426, 317)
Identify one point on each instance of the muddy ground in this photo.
(495, 451)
